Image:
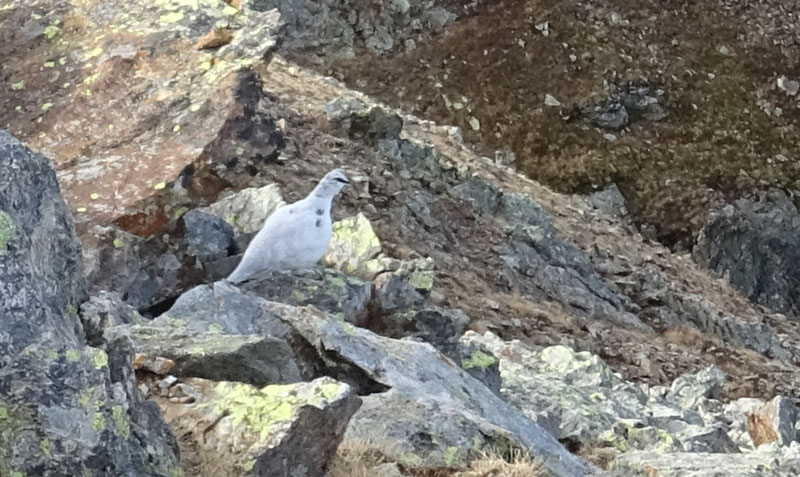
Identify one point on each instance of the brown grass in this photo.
(356, 458)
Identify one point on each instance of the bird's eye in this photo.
(342, 180)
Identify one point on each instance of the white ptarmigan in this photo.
(295, 236)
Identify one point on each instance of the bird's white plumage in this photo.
(295, 236)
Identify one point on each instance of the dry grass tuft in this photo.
(355, 458)
(358, 459)
(493, 465)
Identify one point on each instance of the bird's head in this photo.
(332, 183)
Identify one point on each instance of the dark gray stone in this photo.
(208, 237)
(755, 243)
(65, 408)
(327, 289)
(252, 359)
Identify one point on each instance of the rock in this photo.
(66, 408)
(538, 262)
(237, 429)
(375, 124)
(699, 464)
(353, 244)
(195, 107)
(208, 237)
(755, 243)
(462, 414)
(327, 29)
(252, 359)
(105, 310)
(329, 290)
(550, 100)
(479, 362)
(394, 291)
(224, 308)
(610, 201)
(775, 421)
(146, 272)
(438, 326)
(688, 389)
(248, 209)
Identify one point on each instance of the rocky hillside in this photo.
(465, 321)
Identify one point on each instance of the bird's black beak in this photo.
(342, 180)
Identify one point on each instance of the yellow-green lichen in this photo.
(49, 64)
(258, 409)
(214, 328)
(450, 456)
(327, 391)
(45, 447)
(160, 185)
(171, 17)
(422, 279)
(118, 243)
(176, 322)
(248, 466)
(73, 355)
(6, 230)
(122, 427)
(93, 53)
(16, 473)
(51, 353)
(18, 85)
(100, 359)
(85, 397)
(46, 106)
(179, 212)
(3, 413)
(99, 422)
(479, 359)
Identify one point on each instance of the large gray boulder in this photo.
(434, 411)
(755, 243)
(65, 408)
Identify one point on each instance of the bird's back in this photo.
(295, 236)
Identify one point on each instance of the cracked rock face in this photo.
(66, 408)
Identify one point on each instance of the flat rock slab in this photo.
(253, 359)
(124, 95)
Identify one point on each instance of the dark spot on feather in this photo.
(320, 211)
(291, 211)
(318, 223)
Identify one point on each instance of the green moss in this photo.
(19, 85)
(100, 359)
(118, 243)
(122, 427)
(479, 359)
(6, 230)
(51, 353)
(214, 328)
(46, 106)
